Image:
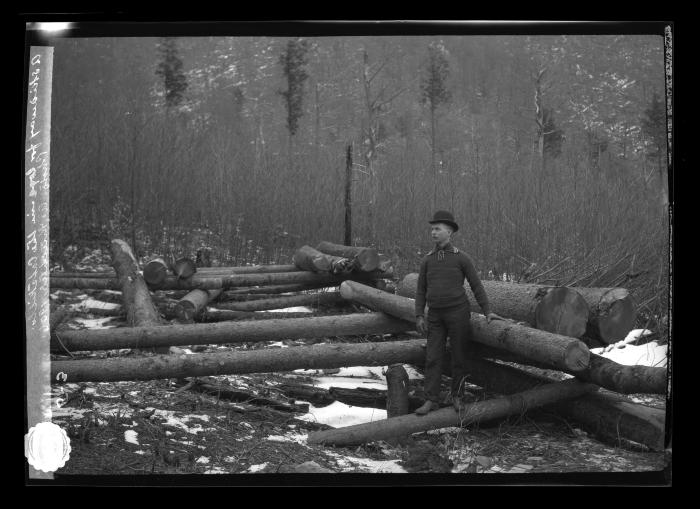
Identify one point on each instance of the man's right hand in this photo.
(420, 325)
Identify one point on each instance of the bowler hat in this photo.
(442, 216)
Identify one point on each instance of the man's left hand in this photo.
(493, 316)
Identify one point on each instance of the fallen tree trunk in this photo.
(365, 259)
(600, 371)
(311, 299)
(245, 297)
(305, 279)
(140, 310)
(317, 397)
(234, 332)
(555, 309)
(155, 272)
(606, 415)
(612, 313)
(183, 268)
(375, 398)
(215, 388)
(213, 315)
(308, 258)
(219, 271)
(560, 352)
(194, 303)
(238, 362)
(491, 409)
(277, 289)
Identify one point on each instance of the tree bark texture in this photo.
(239, 362)
(366, 259)
(490, 409)
(560, 352)
(232, 332)
(311, 299)
(555, 309)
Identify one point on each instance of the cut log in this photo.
(366, 259)
(140, 310)
(606, 415)
(277, 289)
(601, 371)
(194, 303)
(612, 313)
(314, 395)
(247, 269)
(215, 388)
(155, 272)
(238, 362)
(560, 352)
(360, 396)
(233, 332)
(308, 258)
(307, 279)
(487, 410)
(212, 315)
(311, 299)
(397, 391)
(555, 309)
(245, 297)
(625, 379)
(183, 268)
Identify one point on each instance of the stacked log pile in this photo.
(544, 327)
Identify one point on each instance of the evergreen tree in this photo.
(170, 70)
(293, 62)
(434, 92)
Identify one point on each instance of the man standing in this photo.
(441, 284)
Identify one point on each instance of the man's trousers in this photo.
(453, 322)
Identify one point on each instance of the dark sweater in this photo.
(441, 280)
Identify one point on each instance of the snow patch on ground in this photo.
(179, 421)
(363, 372)
(339, 414)
(95, 323)
(289, 437)
(367, 465)
(649, 354)
(296, 309)
(257, 468)
(216, 470)
(131, 436)
(93, 303)
(278, 343)
(325, 382)
(203, 460)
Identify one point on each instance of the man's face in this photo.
(440, 233)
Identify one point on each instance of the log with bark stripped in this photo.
(560, 352)
(556, 309)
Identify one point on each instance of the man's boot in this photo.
(428, 406)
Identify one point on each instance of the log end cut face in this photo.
(616, 315)
(562, 311)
